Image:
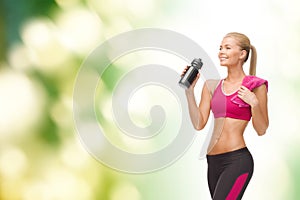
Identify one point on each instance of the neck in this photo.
(235, 75)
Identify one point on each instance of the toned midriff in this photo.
(229, 134)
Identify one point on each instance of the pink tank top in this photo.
(230, 105)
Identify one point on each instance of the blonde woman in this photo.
(233, 101)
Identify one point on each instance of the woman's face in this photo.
(230, 53)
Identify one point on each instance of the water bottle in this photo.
(188, 78)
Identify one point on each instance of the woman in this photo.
(233, 101)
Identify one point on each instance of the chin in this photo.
(223, 64)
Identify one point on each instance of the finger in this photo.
(241, 92)
(184, 70)
(244, 88)
(241, 96)
(196, 79)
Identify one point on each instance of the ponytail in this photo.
(252, 69)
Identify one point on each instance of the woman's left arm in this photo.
(258, 101)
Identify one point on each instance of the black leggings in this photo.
(229, 174)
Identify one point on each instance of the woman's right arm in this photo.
(199, 114)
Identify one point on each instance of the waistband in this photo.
(234, 153)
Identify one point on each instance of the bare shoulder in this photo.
(262, 89)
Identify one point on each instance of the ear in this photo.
(243, 54)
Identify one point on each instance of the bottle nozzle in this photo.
(197, 63)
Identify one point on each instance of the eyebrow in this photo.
(226, 45)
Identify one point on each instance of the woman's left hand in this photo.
(246, 95)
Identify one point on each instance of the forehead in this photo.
(229, 41)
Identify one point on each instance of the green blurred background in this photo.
(42, 46)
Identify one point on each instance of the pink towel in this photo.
(249, 82)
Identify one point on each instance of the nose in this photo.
(221, 51)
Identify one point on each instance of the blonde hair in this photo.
(244, 43)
